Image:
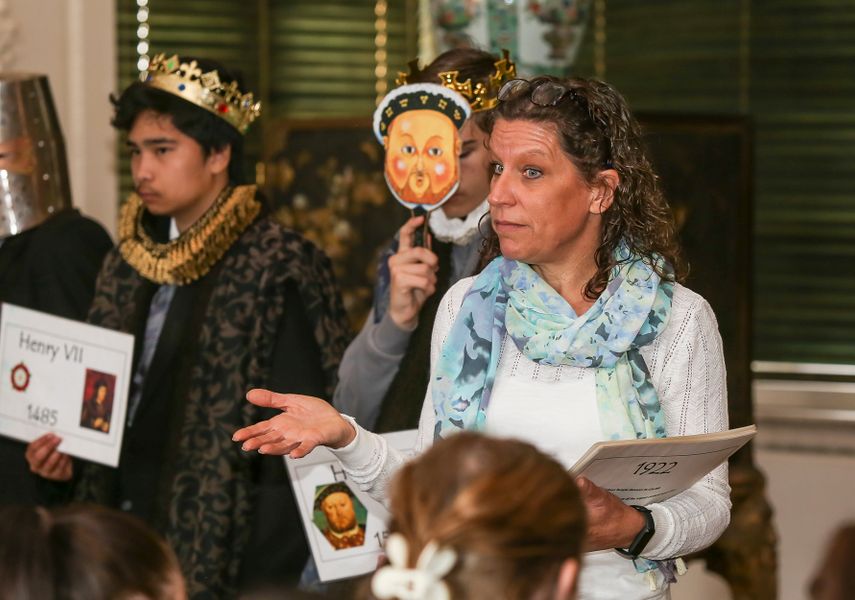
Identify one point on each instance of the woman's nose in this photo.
(500, 191)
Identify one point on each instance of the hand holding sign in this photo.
(64, 377)
(46, 460)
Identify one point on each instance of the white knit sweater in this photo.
(686, 365)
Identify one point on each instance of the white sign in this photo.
(346, 528)
(65, 377)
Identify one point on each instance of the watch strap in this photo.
(641, 540)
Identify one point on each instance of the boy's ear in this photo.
(219, 159)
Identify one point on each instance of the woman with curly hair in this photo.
(578, 331)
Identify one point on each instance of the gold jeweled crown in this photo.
(480, 96)
(187, 81)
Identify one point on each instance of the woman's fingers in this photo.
(279, 449)
(266, 398)
(405, 234)
(305, 420)
(409, 282)
(413, 255)
(420, 269)
(274, 433)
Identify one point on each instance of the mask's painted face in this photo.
(422, 158)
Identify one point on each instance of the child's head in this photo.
(511, 515)
(83, 552)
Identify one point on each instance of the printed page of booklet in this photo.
(651, 470)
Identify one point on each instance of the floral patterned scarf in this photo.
(508, 296)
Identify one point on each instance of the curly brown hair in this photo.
(512, 514)
(597, 131)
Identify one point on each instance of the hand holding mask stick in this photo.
(419, 126)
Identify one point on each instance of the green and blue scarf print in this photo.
(510, 297)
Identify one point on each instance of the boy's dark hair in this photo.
(210, 131)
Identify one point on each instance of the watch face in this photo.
(20, 377)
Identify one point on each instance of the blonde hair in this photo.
(512, 514)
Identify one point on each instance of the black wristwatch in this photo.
(638, 544)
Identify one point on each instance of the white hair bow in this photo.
(423, 582)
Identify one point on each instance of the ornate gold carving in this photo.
(192, 254)
(187, 81)
(479, 96)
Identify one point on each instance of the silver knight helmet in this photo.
(33, 171)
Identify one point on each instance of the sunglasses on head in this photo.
(543, 93)
(546, 93)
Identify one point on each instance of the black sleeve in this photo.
(296, 364)
(277, 549)
(71, 251)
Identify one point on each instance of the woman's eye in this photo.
(434, 151)
(530, 173)
(408, 150)
(496, 169)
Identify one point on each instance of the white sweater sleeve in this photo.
(368, 460)
(689, 374)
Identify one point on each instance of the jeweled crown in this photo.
(187, 81)
(480, 96)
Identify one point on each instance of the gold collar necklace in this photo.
(192, 254)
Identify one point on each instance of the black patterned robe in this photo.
(267, 315)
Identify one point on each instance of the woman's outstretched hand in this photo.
(305, 422)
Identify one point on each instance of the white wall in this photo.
(73, 42)
(806, 447)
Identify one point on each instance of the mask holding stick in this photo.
(419, 127)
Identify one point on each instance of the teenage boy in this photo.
(221, 299)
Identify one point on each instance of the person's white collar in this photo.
(356, 529)
(457, 231)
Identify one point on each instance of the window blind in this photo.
(303, 58)
(788, 66)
